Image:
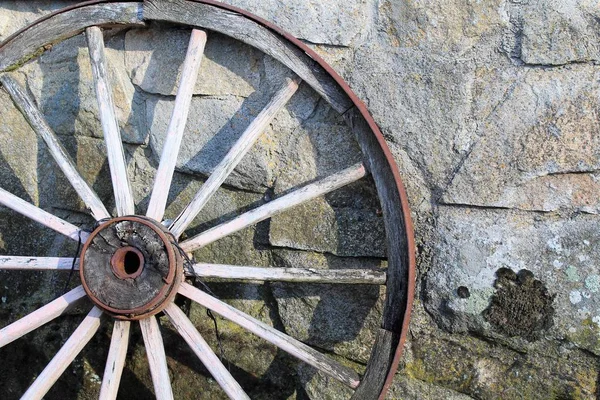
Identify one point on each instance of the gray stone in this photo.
(320, 145)
(17, 14)
(341, 319)
(213, 126)
(18, 144)
(316, 385)
(216, 122)
(539, 151)
(154, 58)
(432, 119)
(557, 252)
(467, 365)
(403, 387)
(320, 226)
(347, 222)
(334, 22)
(61, 82)
(560, 32)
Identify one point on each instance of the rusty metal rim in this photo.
(166, 293)
(409, 230)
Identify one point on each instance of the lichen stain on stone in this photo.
(572, 274)
(592, 282)
(521, 305)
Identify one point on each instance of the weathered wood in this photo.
(245, 30)
(41, 316)
(110, 125)
(43, 217)
(65, 356)
(397, 237)
(37, 263)
(276, 206)
(400, 249)
(287, 343)
(56, 27)
(183, 100)
(155, 350)
(304, 275)
(115, 360)
(141, 292)
(210, 360)
(234, 156)
(37, 121)
(382, 355)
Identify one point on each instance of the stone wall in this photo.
(491, 111)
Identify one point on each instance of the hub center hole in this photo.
(127, 262)
(131, 263)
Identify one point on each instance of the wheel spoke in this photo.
(41, 316)
(65, 356)
(115, 361)
(110, 126)
(276, 206)
(155, 350)
(168, 158)
(305, 275)
(43, 217)
(231, 160)
(210, 360)
(37, 263)
(279, 339)
(37, 121)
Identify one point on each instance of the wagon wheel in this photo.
(143, 248)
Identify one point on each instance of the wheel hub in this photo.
(130, 267)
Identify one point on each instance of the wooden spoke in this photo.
(155, 350)
(276, 206)
(43, 217)
(115, 361)
(41, 316)
(37, 121)
(65, 356)
(279, 339)
(110, 126)
(37, 263)
(210, 360)
(304, 275)
(168, 158)
(235, 155)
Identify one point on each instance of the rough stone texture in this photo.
(492, 244)
(551, 32)
(335, 22)
(491, 111)
(340, 319)
(64, 90)
(228, 67)
(16, 14)
(546, 155)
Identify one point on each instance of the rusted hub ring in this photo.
(130, 267)
(127, 262)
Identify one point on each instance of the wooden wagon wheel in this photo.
(143, 248)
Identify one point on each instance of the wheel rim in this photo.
(313, 70)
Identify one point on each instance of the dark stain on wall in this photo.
(521, 305)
